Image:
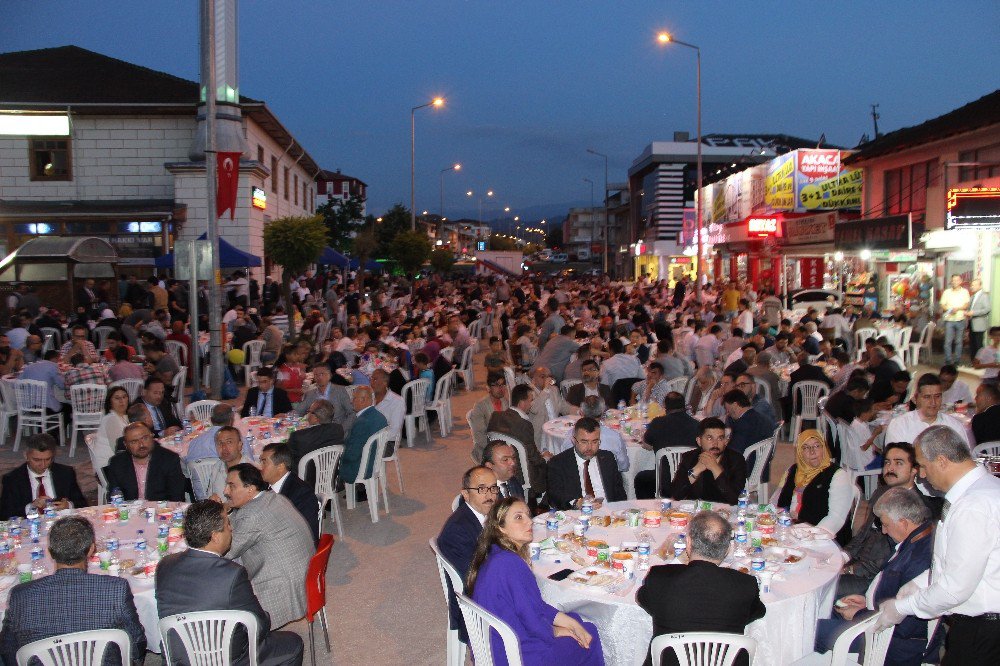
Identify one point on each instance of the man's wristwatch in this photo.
(691, 474)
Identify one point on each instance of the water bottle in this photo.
(188, 428)
(253, 411)
(140, 550)
(117, 497)
(15, 532)
(249, 442)
(680, 545)
(740, 541)
(744, 500)
(784, 524)
(37, 559)
(757, 561)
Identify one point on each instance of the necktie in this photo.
(41, 486)
(588, 487)
(504, 492)
(263, 403)
(945, 509)
(159, 418)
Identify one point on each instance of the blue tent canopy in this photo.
(370, 265)
(229, 257)
(331, 257)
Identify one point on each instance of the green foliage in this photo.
(395, 221)
(410, 249)
(442, 260)
(502, 244)
(293, 243)
(342, 219)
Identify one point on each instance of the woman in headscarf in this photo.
(815, 490)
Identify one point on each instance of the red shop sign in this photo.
(811, 272)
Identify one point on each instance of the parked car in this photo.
(559, 258)
(821, 299)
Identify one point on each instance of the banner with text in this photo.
(811, 272)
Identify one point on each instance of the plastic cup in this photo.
(24, 572)
(105, 559)
(535, 550)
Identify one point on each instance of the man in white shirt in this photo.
(988, 358)
(229, 447)
(391, 404)
(928, 397)
(954, 303)
(611, 439)
(841, 327)
(744, 320)
(955, 390)
(965, 571)
(343, 342)
(706, 350)
(620, 365)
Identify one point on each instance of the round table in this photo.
(797, 599)
(142, 588)
(258, 426)
(556, 434)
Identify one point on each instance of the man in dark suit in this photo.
(200, 579)
(160, 469)
(322, 431)
(503, 460)
(986, 422)
(368, 422)
(39, 481)
(591, 386)
(517, 423)
(275, 467)
(266, 399)
(460, 533)
(710, 472)
(675, 428)
(165, 422)
(71, 599)
(701, 595)
(573, 474)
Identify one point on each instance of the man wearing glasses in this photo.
(80, 344)
(144, 470)
(479, 417)
(746, 383)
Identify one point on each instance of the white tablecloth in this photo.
(258, 425)
(786, 633)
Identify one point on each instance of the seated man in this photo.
(266, 399)
(47, 371)
(165, 422)
(482, 412)
(144, 470)
(653, 388)
(83, 373)
(746, 383)
(986, 422)
(701, 595)
(516, 422)
(954, 389)
(591, 386)
(748, 425)
(275, 467)
(159, 363)
(675, 428)
(710, 472)
(323, 389)
(388, 402)
(611, 439)
(322, 431)
(80, 344)
(502, 459)
(39, 481)
(907, 521)
(585, 470)
(367, 422)
(41, 608)
(201, 579)
(203, 446)
(273, 542)
(229, 451)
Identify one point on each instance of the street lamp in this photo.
(437, 102)
(594, 152)
(592, 222)
(453, 167)
(667, 38)
(489, 193)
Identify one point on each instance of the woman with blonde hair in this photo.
(500, 580)
(815, 490)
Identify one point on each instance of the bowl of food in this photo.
(791, 557)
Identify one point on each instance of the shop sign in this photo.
(258, 198)
(811, 272)
(812, 179)
(809, 229)
(974, 207)
(762, 227)
(895, 233)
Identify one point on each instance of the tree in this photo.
(502, 243)
(293, 243)
(365, 245)
(342, 219)
(394, 221)
(411, 249)
(442, 260)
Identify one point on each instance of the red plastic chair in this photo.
(316, 592)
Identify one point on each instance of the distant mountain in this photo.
(552, 213)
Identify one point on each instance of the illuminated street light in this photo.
(437, 103)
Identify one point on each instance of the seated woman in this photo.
(112, 426)
(290, 373)
(500, 580)
(816, 491)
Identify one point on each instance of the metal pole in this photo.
(195, 350)
(594, 152)
(701, 259)
(593, 224)
(214, 315)
(413, 169)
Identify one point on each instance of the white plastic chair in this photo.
(924, 342)
(903, 341)
(448, 353)
(397, 441)
(81, 648)
(442, 402)
(207, 636)
(178, 382)
(32, 398)
(678, 384)
(375, 446)
(178, 350)
(132, 386)
(860, 336)
(522, 455)
(804, 395)
(465, 368)
(416, 417)
(876, 646)
(451, 582)
(87, 401)
(703, 648)
(100, 335)
(762, 450)
(673, 455)
(56, 335)
(200, 410)
(203, 473)
(986, 449)
(8, 407)
(850, 449)
(102, 483)
(251, 358)
(566, 384)
(763, 388)
(479, 622)
(325, 460)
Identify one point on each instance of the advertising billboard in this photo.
(812, 180)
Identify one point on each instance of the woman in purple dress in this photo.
(500, 580)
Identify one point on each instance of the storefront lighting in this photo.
(17, 124)
(866, 255)
(838, 256)
(40, 228)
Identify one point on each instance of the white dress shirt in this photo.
(393, 408)
(906, 427)
(965, 570)
(50, 489)
(280, 483)
(611, 440)
(958, 391)
(595, 475)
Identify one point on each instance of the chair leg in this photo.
(399, 476)
(326, 631)
(351, 495)
(17, 437)
(384, 482)
(371, 489)
(312, 644)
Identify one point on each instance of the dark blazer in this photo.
(749, 429)
(673, 429)
(38, 609)
(365, 425)
(699, 596)
(196, 580)
(457, 542)
(725, 489)
(515, 488)
(164, 480)
(986, 425)
(17, 489)
(511, 423)
(301, 495)
(564, 479)
(166, 411)
(314, 437)
(280, 402)
(576, 394)
(909, 640)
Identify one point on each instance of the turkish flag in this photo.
(228, 183)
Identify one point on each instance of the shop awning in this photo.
(370, 265)
(331, 257)
(229, 257)
(126, 209)
(59, 258)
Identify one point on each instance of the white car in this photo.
(816, 298)
(559, 258)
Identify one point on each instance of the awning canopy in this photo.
(331, 257)
(59, 258)
(229, 257)
(370, 265)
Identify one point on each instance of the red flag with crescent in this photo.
(228, 183)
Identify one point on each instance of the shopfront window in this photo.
(906, 188)
(985, 154)
(49, 159)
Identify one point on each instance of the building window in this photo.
(49, 159)
(906, 188)
(286, 183)
(260, 154)
(295, 189)
(985, 154)
(274, 174)
(305, 196)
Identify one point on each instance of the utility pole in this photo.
(214, 305)
(875, 116)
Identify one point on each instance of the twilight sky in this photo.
(531, 84)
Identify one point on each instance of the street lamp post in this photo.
(667, 38)
(591, 215)
(453, 167)
(594, 152)
(436, 103)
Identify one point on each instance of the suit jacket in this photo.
(515, 488)
(302, 497)
(511, 423)
(272, 540)
(280, 402)
(979, 309)
(986, 425)
(17, 489)
(480, 416)
(314, 437)
(164, 481)
(699, 596)
(38, 609)
(343, 410)
(576, 394)
(166, 412)
(366, 424)
(564, 479)
(197, 580)
(457, 542)
(674, 429)
(725, 489)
